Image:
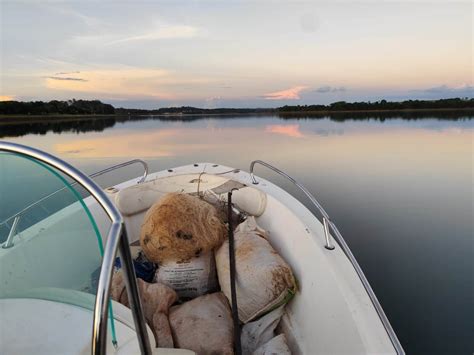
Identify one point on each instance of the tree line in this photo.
(70, 107)
(456, 103)
(96, 107)
(189, 110)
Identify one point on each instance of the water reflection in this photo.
(291, 130)
(17, 127)
(400, 191)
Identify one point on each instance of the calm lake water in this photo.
(400, 191)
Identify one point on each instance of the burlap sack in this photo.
(264, 281)
(162, 330)
(190, 279)
(156, 300)
(179, 227)
(203, 325)
(278, 345)
(257, 333)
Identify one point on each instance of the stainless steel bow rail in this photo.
(116, 240)
(121, 165)
(328, 226)
(315, 202)
(16, 217)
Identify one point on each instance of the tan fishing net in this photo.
(179, 227)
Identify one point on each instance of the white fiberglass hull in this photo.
(332, 312)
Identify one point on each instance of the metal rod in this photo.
(282, 173)
(328, 245)
(101, 308)
(93, 175)
(133, 295)
(121, 165)
(11, 234)
(99, 331)
(232, 268)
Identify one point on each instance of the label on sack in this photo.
(190, 279)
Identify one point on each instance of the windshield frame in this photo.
(116, 238)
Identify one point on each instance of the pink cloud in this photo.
(292, 130)
(288, 94)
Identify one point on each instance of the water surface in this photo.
(400, 191)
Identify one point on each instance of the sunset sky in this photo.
(146, 54)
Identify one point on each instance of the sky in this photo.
(151, 54)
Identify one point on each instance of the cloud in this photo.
(288, 94)
(66, 78)
(164, 32)
(67, 73)
(60, 76)
(438, 89)
(327, 88)
(212, 101)
(213, 98)
(445, 89)
(154, 33)
(7, 98)
(292, 130)
(124, 83)
(63, 12)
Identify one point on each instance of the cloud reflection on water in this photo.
(292, 130)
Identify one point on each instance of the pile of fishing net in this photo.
(180, 227)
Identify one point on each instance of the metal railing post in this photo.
(308, 194)
(132, 291)
(11, 234)
(328, 245)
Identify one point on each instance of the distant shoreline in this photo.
(329, 112)
(22, 118)
(56, 111)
